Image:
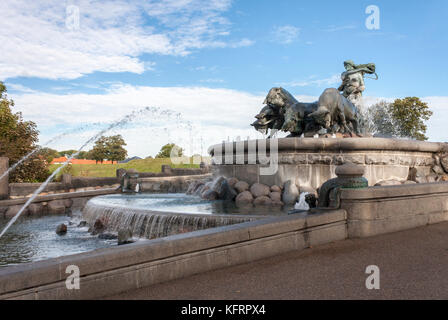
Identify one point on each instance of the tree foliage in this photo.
(165, 151)
(98, 152)
(404, 118)
(409, 114)
(67, 153)
(108, 148)
(83, 155)
(49, 154)
(379, 121)
(115, 148)
(18, 138)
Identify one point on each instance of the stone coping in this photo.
(390, 192)
(342, 144)
(52, 271)
(170, 178)
(58, 196)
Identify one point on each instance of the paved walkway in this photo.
(413, 265)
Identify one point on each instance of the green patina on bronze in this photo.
(336, 111)
(349, 177)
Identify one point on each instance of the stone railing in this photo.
(110, 271)
(378, 210)
(309, 162)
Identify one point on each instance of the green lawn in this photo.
(108, 170)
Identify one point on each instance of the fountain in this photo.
(265, 177)
(111, 126)
(43, 242)
(259, 179)
(161, 215)
(329, 180)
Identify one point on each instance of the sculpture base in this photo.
(312, 161)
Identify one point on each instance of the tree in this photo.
(114, 148)
(49, 154)
(67, 153)
(403, 118)
(110, 148)
(379, 120)
(165, 151)
(98, 152)
(409, 115)
(18, 138)
(83, 155)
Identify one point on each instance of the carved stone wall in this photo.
(310, 162)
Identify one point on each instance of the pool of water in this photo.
(182, 203)
(34, 239)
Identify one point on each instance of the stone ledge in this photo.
(51, 272)
(398, 208)
(340, 144)
(174, 178)
(58, 196)
(170, 268)
(406, 190)
(373, 227)
(378, 210)
(169, 184)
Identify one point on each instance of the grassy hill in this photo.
(108, 170)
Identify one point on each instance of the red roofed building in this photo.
(61, 160)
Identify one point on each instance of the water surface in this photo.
(34, 239)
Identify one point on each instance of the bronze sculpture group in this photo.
(332, 113)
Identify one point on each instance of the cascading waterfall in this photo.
(152, 224)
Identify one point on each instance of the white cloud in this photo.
(437, 123)
(334, 28)
(207, 116)
(212, 80)
(213, 114)
(334, 79)
(242, 43)
(19, 88)
(285, 34)
(111, 36)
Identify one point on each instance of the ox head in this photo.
(292, 121)
(265, 119)
(279, 97)
(322, 117)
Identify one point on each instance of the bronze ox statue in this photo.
(335, 111)
(332, 113)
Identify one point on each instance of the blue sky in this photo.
(195, 57)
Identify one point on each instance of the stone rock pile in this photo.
(440, 168)
(243, 193)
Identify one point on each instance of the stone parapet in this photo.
(378, 210)
(110, 271)
(337, 144)
(310, 162)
